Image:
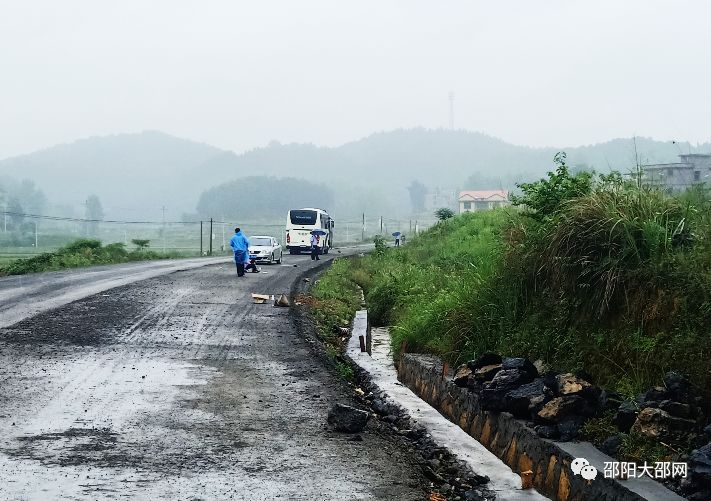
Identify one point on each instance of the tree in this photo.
(261, 196)
(417, 196)
(545, 197)
(94, 213)
(16, 217)
(444, 213)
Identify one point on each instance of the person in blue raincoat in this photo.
(240, 246)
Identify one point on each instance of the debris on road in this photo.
(307, 279)
(347, 419)
(282, 300)
(261, 298)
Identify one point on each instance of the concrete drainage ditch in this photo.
(494, 444)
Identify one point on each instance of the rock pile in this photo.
(558, 404)
(670, 413)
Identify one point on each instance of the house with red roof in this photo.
(472, 201)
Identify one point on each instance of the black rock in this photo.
(626, 415)
(390, 418)
(347, 419)
(508, 379)
(478, 479)
(655, 395)
(485, 359)
(521, 364)
(526, 398)
(677, 409)
(707, 431)
(569, 427)
(493, 396)
(700, 467)
(677, 385)
(611, 445)
(379, 407)
(550, 379)
(546, 431)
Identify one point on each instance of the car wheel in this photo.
(271, 259)
(281, 255)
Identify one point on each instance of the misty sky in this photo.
(238, 74)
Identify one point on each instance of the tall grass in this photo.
(617, 282)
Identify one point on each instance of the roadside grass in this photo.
(81, 253)
(333, 301)
(616, 283)
(613, 281)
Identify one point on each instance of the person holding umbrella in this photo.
(315, 239)
(397, 238)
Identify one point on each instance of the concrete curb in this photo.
(517, 445)
(504, 483)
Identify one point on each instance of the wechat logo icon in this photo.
(582, 467)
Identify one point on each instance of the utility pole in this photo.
(223, 233)
(381, 225)
(201, 232)
(36, 235)
(410, 226)
(163, 208)
(211, 237)
(417, 227)
(363, 229)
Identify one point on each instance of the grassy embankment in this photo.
(333, 301)
(82, 253)
(596, 275)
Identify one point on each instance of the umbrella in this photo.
(319, 232)
(397, 234)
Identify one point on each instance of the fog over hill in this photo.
(136, 174)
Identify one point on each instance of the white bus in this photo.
(299, 225)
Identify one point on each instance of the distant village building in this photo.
(693, 169)
(472, 201)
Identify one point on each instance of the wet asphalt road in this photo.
(179, 387)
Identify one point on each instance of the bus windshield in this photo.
(303, 217)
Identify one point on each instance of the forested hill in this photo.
(136, 174)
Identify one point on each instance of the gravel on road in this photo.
(180, 387)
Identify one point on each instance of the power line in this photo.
(82, 220)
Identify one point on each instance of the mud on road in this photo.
(179, 387)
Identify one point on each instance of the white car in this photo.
(265, 248)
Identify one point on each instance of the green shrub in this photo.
(80, 253)
(611, 279)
